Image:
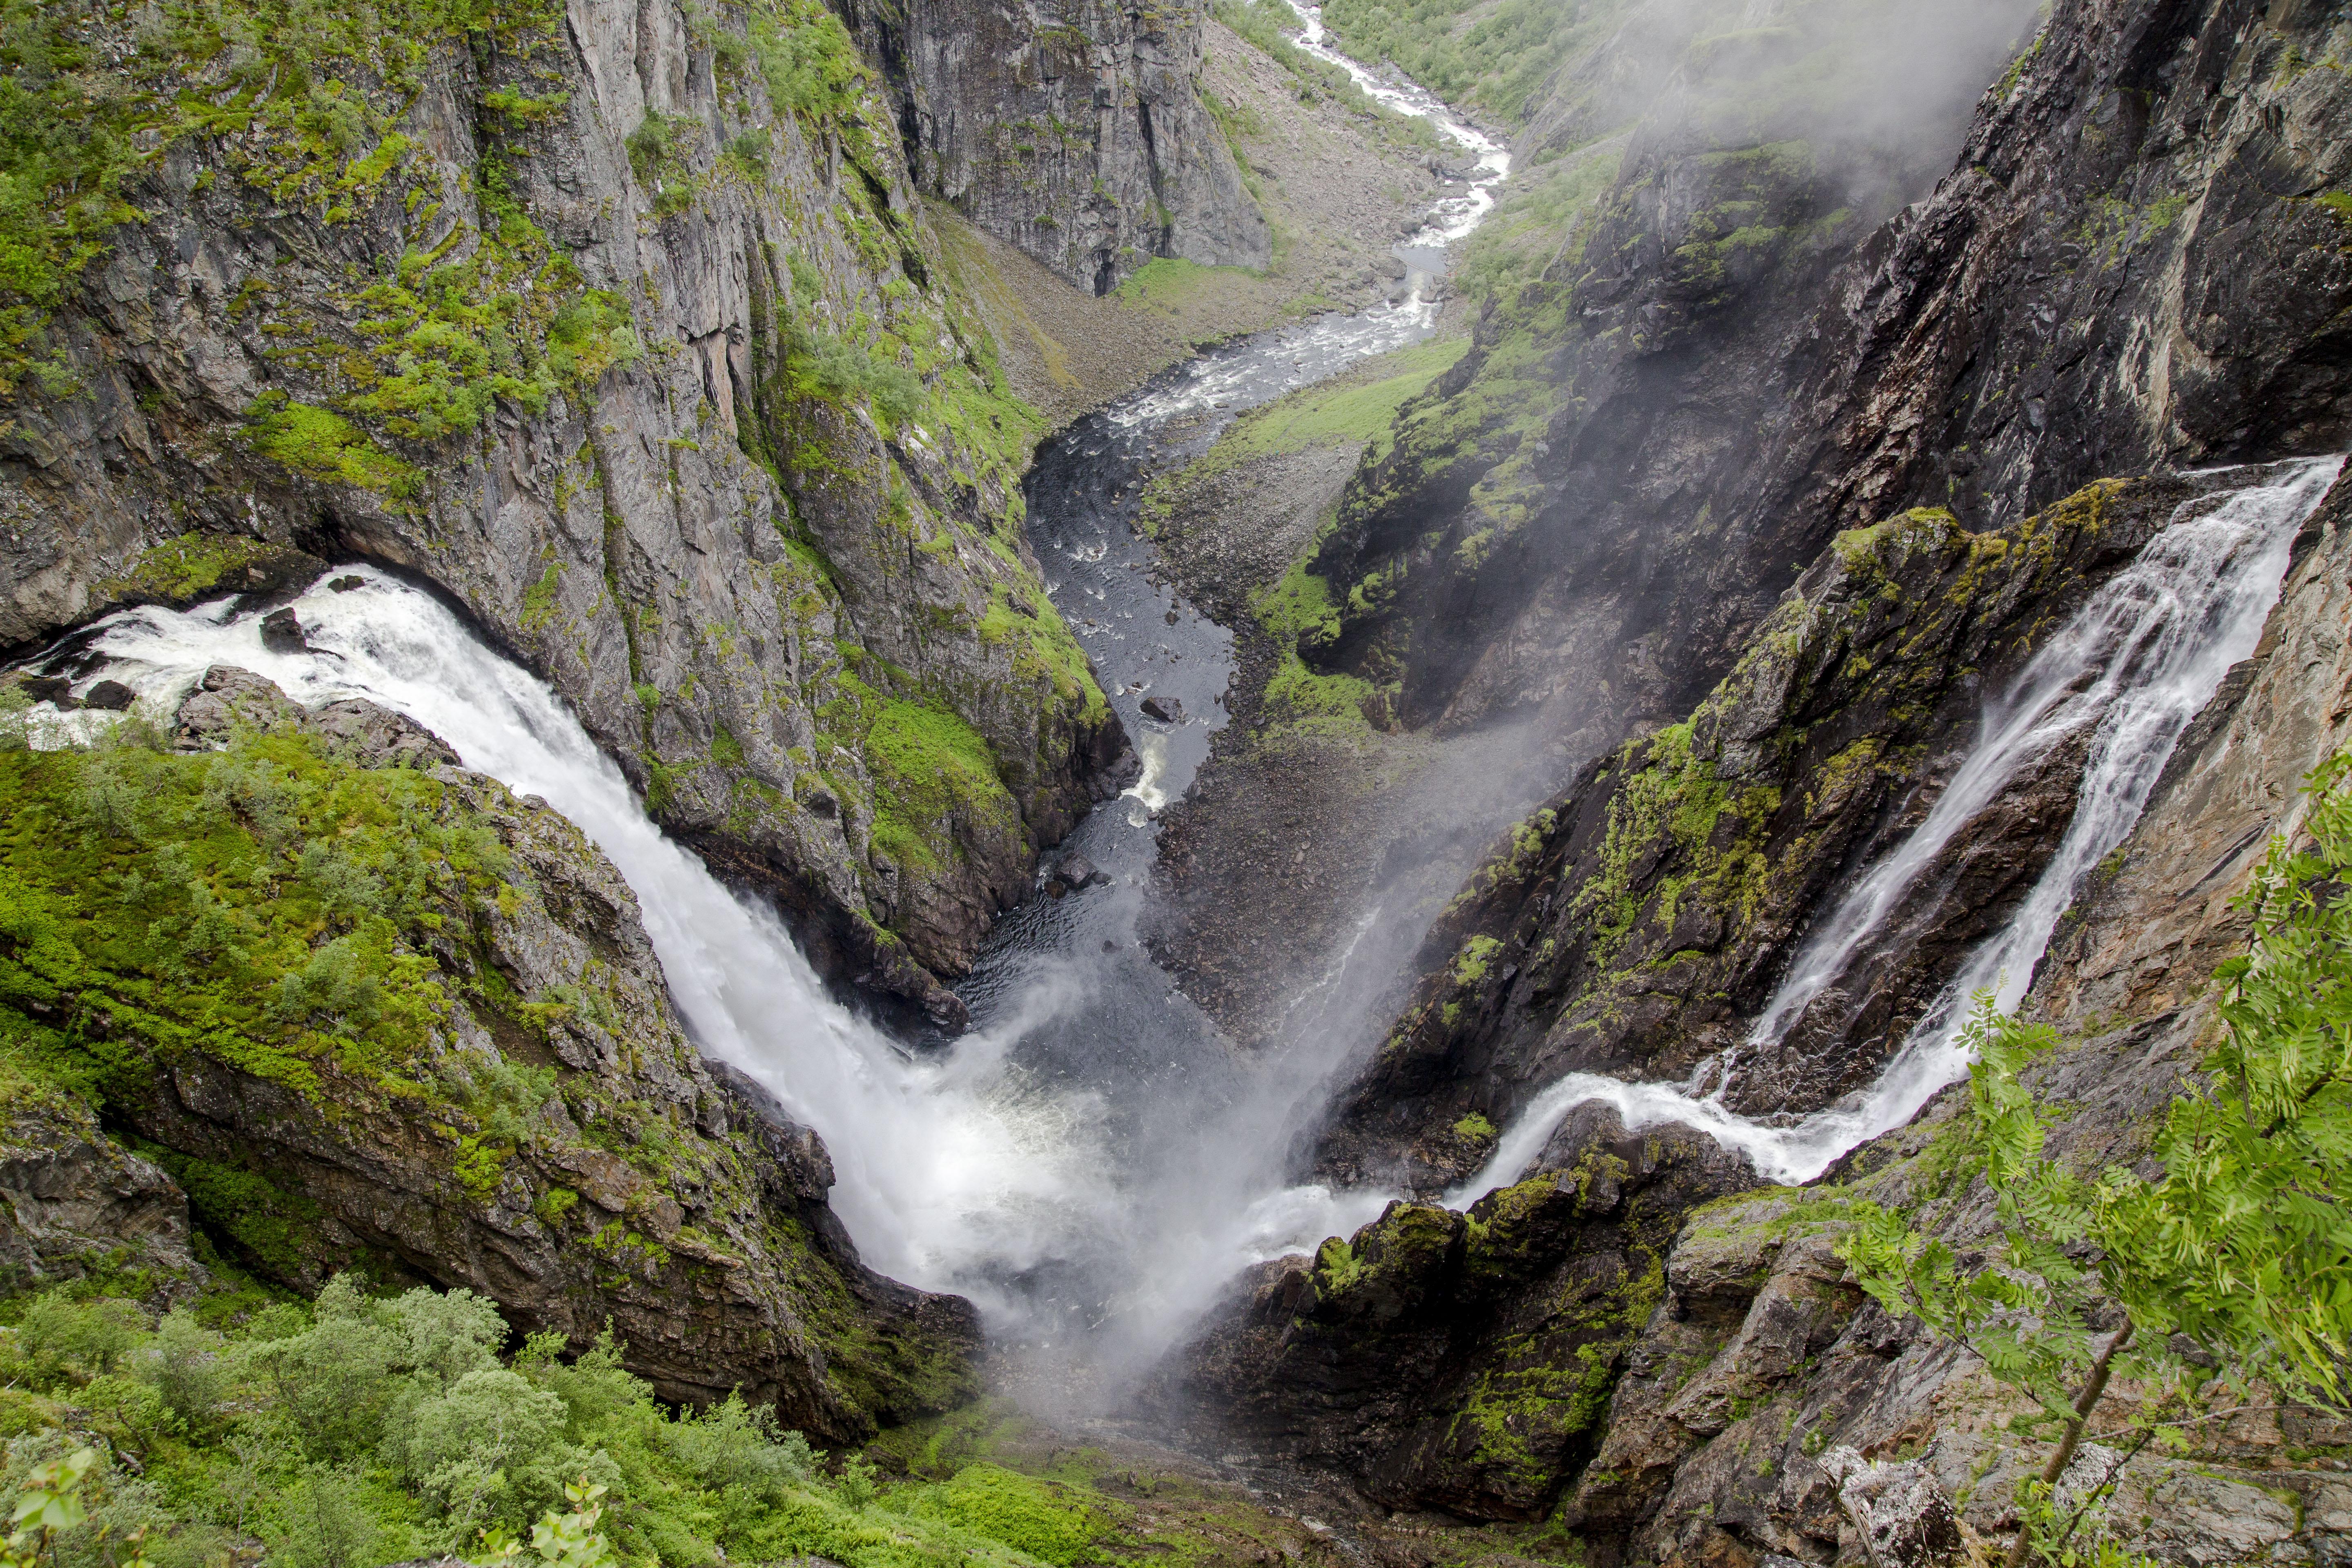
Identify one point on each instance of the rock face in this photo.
(1638, 923)
(74, 1202)
(618, 327)
(555, 1142)
(2132, 266)
(2126, 982)
(1460, 1361)
(1075, 132)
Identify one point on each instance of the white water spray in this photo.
(951, 1170)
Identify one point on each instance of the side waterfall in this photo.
(2134, 665)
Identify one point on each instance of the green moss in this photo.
(928, 766)
(322, 445)
(1470, 965)
(186, 568)
(271, 906)
(1474, 1128)
(1358, 410)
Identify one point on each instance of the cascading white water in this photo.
(949, 1169)
(1457, 216)
(2134, 665)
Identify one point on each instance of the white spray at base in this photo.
(2135, 664)
(949, 1169)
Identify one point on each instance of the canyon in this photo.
(1056, 730)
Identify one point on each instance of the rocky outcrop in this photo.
(1075, 131)
(2135, 263)
(74, 1203)
(1460, 1361)
(1638, 925)
(545, 1134)
(1762, 1363)
(617, 326)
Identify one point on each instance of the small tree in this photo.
(2241, 1248)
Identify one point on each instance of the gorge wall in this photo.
(1075, 132)
(624, 326)
(1721, 387)
(2132, 263)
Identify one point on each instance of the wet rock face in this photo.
(2126, 269)
(2126, 982)
(1076, 133)
(766, 490)
(1638, 925)
(650, 1189)
(1458, 1361)
(72, 1201)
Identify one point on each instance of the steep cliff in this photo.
(2135, 262)
(1762, 1356)
(1075, 131)
(1637, 924)
(432, 1045)
(617, 324)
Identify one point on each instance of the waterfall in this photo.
(949, 1169)
(2134, 665)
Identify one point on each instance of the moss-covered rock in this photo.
(393, 1018)
(1637, 922)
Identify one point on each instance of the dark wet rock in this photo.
(54, 689)
(1080, 872)
(980, 86)
(1456, 1360)
(1637, 923)
(109, 696)
(346, 584)
(73, 1202)
(1719, 1436)
(281, 632)
(1154, 708)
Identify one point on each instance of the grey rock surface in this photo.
(732, 568)
(1075, 132)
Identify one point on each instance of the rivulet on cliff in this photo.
(1483, 781)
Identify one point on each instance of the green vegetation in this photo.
(272, 905)
(928, 766)
(187, 567)
(1355, 409)
(85, 106)
(1494, 63)
(360, 1430)
(2238, 1251)
(324, 445)
(1271, 25)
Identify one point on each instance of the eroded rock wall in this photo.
(615, 324)
(2133, 263)
(1638, 925)
(1074, 129)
